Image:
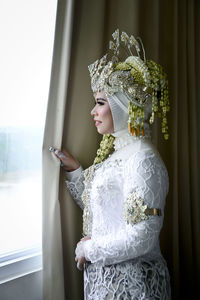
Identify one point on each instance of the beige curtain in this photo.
(170, 33)
(53, 279)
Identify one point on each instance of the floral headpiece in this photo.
(142, 81)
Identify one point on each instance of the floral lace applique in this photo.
(134, 209)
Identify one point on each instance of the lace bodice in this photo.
(132, 179)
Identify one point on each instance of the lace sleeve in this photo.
(146, 178)
(75, 184)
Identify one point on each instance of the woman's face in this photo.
(102, 114)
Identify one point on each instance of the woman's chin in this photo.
(103, 131)
(100, 131)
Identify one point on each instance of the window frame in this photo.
(20, 263)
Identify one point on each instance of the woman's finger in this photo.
(80, 263)
(60, 154)
(79, 266)
(85, 238)
(66, 152)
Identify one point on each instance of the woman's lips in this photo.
(97, 123)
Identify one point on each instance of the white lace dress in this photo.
(119, 202)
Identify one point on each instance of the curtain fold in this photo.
(53, 280)
(170, 33)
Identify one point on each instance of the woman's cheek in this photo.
(106, 112)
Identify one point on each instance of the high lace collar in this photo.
(124, 138)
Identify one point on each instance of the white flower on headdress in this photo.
(124, 38)
(115, 36)
(135, 43)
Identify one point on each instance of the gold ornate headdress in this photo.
(142, 81)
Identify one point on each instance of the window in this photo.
(27, 35)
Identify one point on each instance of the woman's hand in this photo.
(69, 163)
(80, 259)
(80, 262)
(85, 238)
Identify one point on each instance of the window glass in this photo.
(27, 35)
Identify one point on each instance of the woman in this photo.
(123, 193)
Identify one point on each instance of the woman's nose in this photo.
(93, 111)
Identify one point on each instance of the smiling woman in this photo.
(28, 34)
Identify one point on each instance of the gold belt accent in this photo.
(153, 212)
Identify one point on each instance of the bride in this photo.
(123, 193)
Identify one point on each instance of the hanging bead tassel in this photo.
(129, 128)
(142, 131)
(138, 129)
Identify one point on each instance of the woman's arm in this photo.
(75, 185)
(146, 185)
(74, 174)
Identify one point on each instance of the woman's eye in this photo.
(100, 103)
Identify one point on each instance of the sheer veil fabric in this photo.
(170, 33)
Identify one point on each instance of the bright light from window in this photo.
(27, 35)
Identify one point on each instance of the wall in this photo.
(28, 287)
